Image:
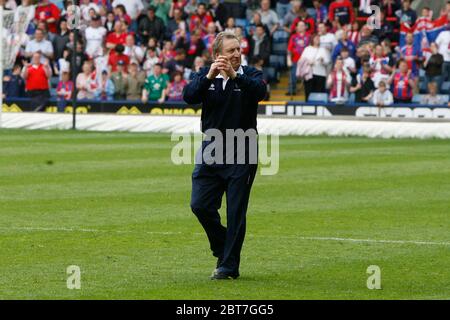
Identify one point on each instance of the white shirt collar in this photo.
(240, 71)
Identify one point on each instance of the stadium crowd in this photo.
(148, 49)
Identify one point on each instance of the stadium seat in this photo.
(351, 98)
(417, 98)
(277, 61)
(318, 97)
(446, 87)
(242, 23)
(423, 87)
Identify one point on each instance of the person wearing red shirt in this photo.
(303, 16)
(49, 13)
(297, 44)
(36, 76)
(117, 37)
(403, 83)
(118, 55)
(341, 10)
(200, 20)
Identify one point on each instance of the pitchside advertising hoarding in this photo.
(289, 109)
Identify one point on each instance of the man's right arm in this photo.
(193, 92)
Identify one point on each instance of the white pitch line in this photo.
(416, 242)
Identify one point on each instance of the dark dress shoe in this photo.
(219, 275)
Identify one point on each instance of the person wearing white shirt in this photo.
(382, 96)
(39, 44)
(26, 9)
(85, 7)
(319, 58)
(443, 41)
(327, 40)
(133, 7)
(95, 35)
(133, 51)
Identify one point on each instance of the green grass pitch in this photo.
(115, 205)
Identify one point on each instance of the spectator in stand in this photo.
(338, 82)
(321, 11)
(117, 37)
(443, 41)
(193, 47)
(403, 83)
(86, 8)
(341, 10)
(175, 88)
(105, 87)
(256, 21)
(411, 54)
(176, 23)
(245, 46)
(133, 51)
(390, 7)
(328, 40)
(110, 21)
(199, 63)
(433, 66)
(200, 20)
(386, 29)
(354, 35)
(290, 16)
(80, 56)
(87, 82)
(118, 55)
(382, 96)
(155, 85)
(95, 36)
(432, 98)
(367, 37)
(64, 91)
(268, 16)
(218, 11)
(208, 39)
(177, 64)
(230, 26)
(119, 79)
(49, 13)
(41, 45)
(349, 62)
(14, 85)
(344, 43)
(120, 14)
(319, 59)
(151, 26)
(150, 62)
(132, 7)
(381, 65)
(282, 8)
(61, 39)
(37, 75)
(63, 64)
(260, 44)
(190, 8)
(363, 87)
(162, 9)
(407, 15)
(309, 22)
(297, 44)
(135, 82)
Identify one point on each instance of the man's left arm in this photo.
(253, 82)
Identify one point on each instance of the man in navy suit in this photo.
(229, 94)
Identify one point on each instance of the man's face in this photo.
(322, 29)
(201, 10)
(157, 70)
(118, 26)
(39, 35)
(36, 58)
(265, 4)
(232, 50)
(409, 38)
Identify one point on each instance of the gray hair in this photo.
(218, 42)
